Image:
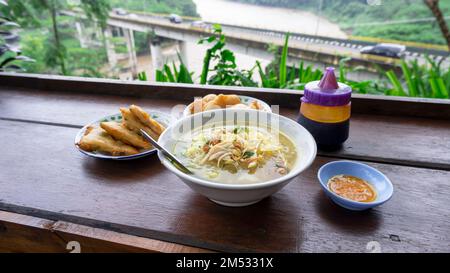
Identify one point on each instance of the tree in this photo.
(9, 43)
(433, 5)
(30, 12)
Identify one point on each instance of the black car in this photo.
(387, 50)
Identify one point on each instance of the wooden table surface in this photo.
(43, 175)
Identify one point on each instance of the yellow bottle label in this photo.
(325, 114)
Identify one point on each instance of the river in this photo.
(282, 19)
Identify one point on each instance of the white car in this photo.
(175, 18)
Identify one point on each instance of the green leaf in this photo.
(205, 68)
(263, 76)
(142, 76)
(175, 70)
(283, 61)
(342, 69)
(398, 89)
(160, 77)
(184, 76)
(217, 28)
(412, 89)
(292, 74)
(300, 72)
(169, 74)
(442, 88)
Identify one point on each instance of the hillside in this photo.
(351, 14)
(182, 7)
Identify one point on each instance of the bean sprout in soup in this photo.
(236, 154)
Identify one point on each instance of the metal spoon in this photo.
(166, 153)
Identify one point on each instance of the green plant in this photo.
(279, 75)
(362, 87)
(142, 76)
(225, 71)
(173, 74)
(10, 53)
(56, 54)
(428, 80)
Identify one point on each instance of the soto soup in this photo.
(236, 154)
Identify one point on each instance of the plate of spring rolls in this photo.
(118, 136)
(220, 101)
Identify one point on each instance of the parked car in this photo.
(120, 11)
(175, 18)
(388, 50)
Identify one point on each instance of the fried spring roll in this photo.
(133, 123)
(96, 139)
(122, 133)
(145, 119)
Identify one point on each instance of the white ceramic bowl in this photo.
(237, 195)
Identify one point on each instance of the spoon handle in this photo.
(166, 153)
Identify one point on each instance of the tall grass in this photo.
(428, 80)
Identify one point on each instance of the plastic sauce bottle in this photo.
(325, 110)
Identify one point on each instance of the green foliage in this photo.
(351, 14)
(417, 80)
(38, 43)
(278, 75)
(95, 9)
(283, 65)
(142, 76)
(33, 13)
(10, 55)
(172, 74)
(182, 7)
(428, 80)
(362, 87)
(141, 42)
(225, 71)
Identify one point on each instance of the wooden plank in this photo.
(362, 104)
(41, 174)
(25, 234)
(400, 140)
(405, 141)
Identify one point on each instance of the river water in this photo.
(282, 19)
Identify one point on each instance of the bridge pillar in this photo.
(81, 34)
(183, 46)
(110, 50)
(157, 55)
(132, 58)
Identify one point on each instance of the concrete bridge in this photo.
(245, 40)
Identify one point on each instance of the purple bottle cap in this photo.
(327, 91)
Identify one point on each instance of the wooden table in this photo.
(51, 194)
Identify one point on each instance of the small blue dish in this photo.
(378, 180)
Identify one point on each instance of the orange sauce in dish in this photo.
(352, 187)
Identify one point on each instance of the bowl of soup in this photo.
(238, 156)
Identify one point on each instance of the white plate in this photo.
(160, 117)
(244, 100)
